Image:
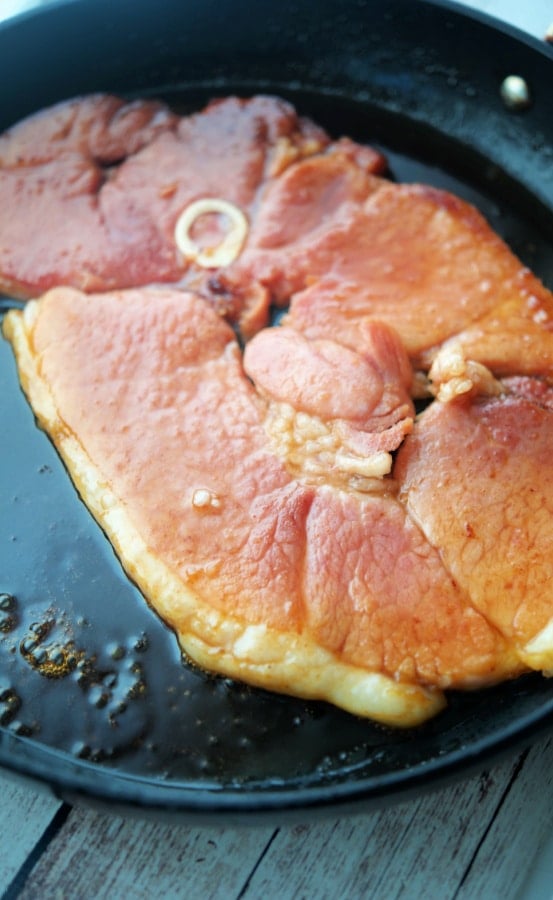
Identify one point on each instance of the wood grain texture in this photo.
(98, 856)
(421, 848)
(24, 816)
(520, 829)
(475, 838)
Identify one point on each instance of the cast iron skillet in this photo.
(95, 700)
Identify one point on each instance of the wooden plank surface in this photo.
(25, 814)
(475, 838)
(419, 849)
(519, 830)
(97, 856)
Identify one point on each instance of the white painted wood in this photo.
(534, 16)
(420, 849)
(538, 883)
(475, 838)
(417, 849)
(523, 825)
(10, 8)
(24, 816)
(100, 857)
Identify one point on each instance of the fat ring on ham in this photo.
(92, 191)
(102, 194)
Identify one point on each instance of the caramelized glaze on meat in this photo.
(91, 189)
(263, 576)
(477, 477)
(284, 511)
(429, 265)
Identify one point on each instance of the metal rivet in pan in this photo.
(515, 92)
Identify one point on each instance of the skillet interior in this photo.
(94, 697)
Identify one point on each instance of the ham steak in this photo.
(91, 191)
(342, 550)
(488, 460)
(263, 575)
(334, 413)
(428, 264)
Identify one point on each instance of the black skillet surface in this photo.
(94, 698)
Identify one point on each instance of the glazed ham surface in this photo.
(288, 582)
(477, 477)
(427, 263)
(315, 536)
(91, 191)
(333, 413)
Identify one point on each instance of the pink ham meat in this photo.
(426, 263)
(344, 550)
(91, 190)
(304, 218)
(476, 476)
(53, 168)
(362, 395)
(308, 588)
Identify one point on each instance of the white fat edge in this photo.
(374, 466)
(452, 375)
(538, 652)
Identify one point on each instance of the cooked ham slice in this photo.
(429, 265)
(334, 413)
(311, 589)
(366, 386)
(53, 167)
(91, 191)
(285, 514)
(476, 475)
(304, 218)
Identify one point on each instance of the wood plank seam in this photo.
(516, 772)
(56, 824)
(262, 855)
